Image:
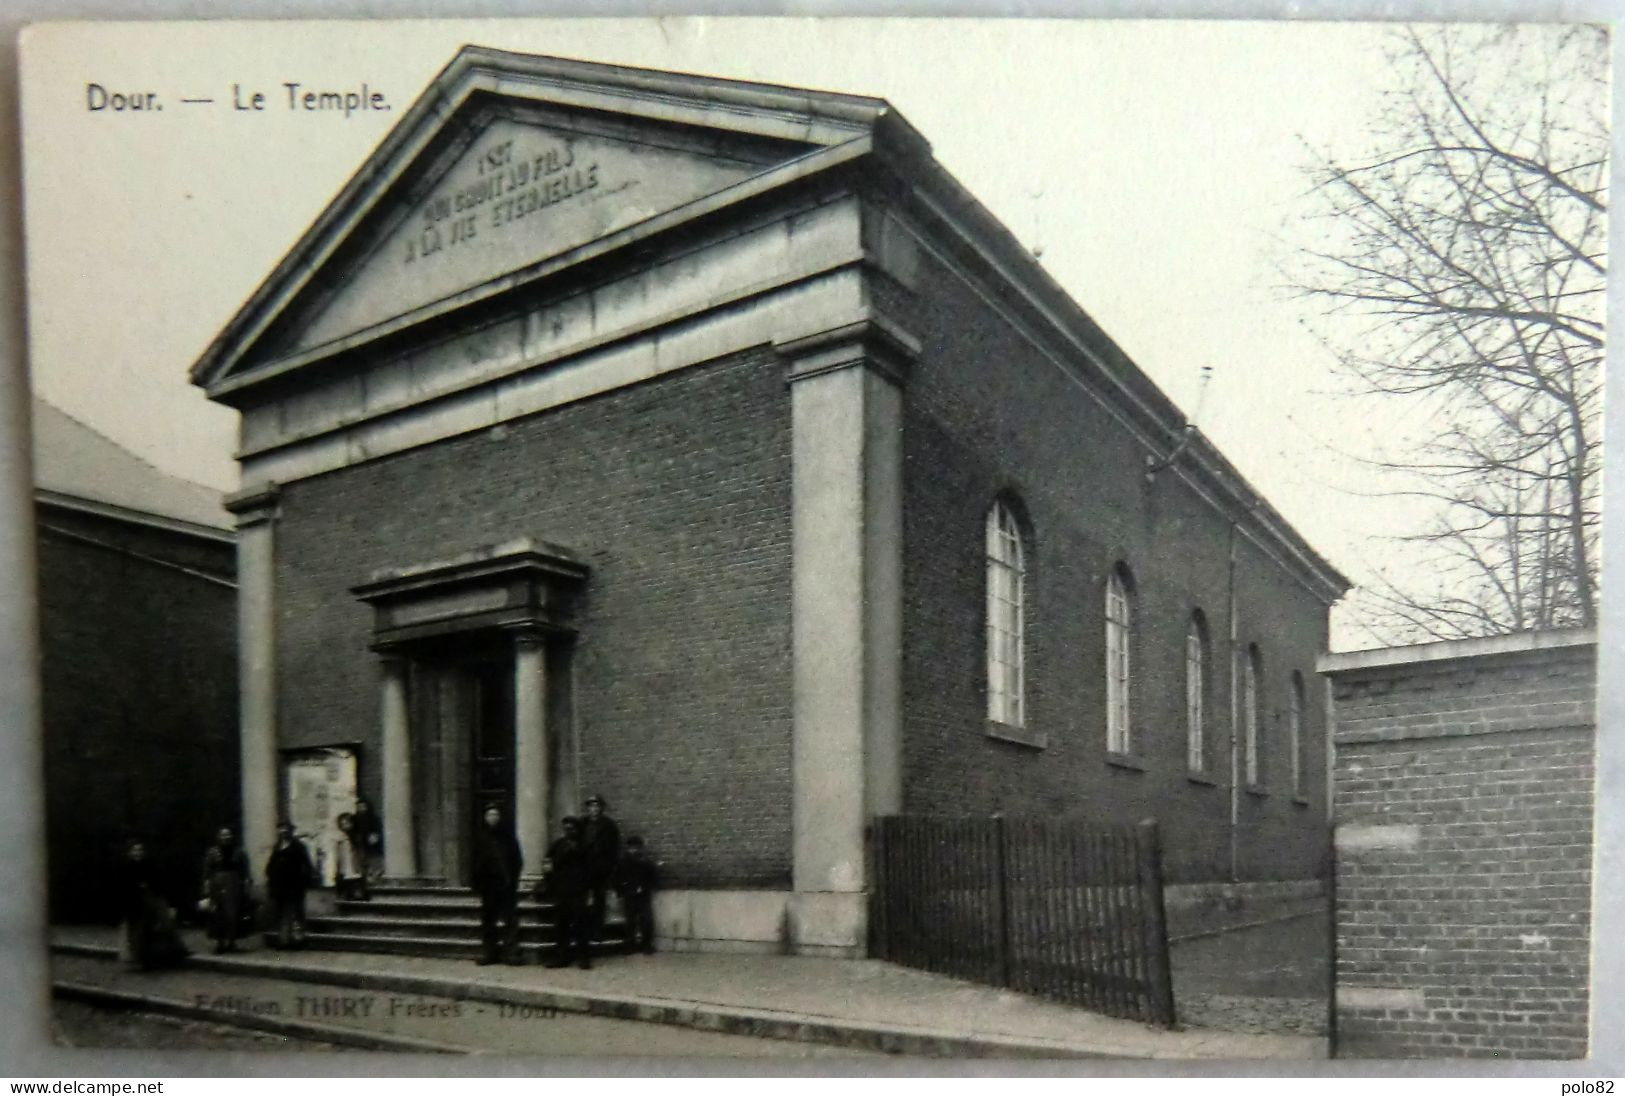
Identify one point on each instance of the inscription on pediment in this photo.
(517, 195)
(509, 186)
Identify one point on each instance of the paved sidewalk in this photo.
(862, 1004)
(298, 1014)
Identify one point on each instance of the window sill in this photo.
(1301, 800)
(1125, 761)
(1202, 778)
(1259, 790)
(1022, 736)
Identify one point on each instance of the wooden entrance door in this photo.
(463, 734)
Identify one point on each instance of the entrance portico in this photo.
(464, 647)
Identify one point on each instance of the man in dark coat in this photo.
(601, 839)
(497, 864)
(368, 835)
(288, 874)
(565, 886)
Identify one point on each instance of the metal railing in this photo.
(1058, 909)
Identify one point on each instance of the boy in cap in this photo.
(565, 886)
(635, 881)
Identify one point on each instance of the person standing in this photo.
(225, 888)
(635, 879)
(497, 864)
(152, 939)
(369, 839)
(349, 870)
(565, 886)
(601, 841)
(288, 874)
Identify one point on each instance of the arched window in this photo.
(1006, 618)
(1119, 668)
(1196, 689)
(1294, 726)
(1252, 672)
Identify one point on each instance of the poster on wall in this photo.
(320, 785)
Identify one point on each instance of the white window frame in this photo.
(1196, 671)
(1119, 663)
(1006, 613)
(1251, 673)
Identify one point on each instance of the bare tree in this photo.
(1461, 264)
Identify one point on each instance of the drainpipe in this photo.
(1235, 756)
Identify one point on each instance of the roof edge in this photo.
(1512, 643)
(1012, 262)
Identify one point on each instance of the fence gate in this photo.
(1058, 909)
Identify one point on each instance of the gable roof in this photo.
(803, 120)
(73, 463)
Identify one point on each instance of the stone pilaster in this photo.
(530, 747)
(400, 836)
(256, 510)
(846, 606)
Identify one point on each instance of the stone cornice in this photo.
(524, 556)
(522, 587)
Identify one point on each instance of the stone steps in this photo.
(419, 927)
(426, 918)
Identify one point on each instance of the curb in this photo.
(299, 1029)
(729, 1020)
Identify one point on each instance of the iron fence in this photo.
(1058, 909)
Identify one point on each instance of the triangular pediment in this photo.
(516, 192)
(506, 162)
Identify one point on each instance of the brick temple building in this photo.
(706, 445)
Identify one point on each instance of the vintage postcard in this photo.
(819, 538)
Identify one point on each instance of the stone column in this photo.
(256, 510)
(400, 837)
(530, 774)
(846, 609)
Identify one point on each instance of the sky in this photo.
(1156, 167)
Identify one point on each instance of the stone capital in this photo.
(875, 343)
(255, 504)
(528, 639)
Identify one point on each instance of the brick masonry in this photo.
(1464, 798)
(986, 413)
(138, 671)
(677, 494)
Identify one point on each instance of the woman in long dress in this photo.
(225, 884)
(348, 869)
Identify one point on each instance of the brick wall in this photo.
(1464, 797)
(677, 494)
(139, 703)
(985, 413)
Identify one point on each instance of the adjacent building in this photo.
(138, 664)
(1465, 786)
(706, 445)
